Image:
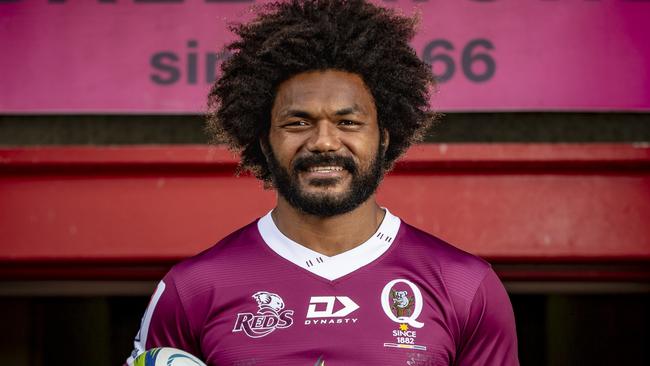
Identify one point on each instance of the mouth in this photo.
(324, 175)
(325, 169)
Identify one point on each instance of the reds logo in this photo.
(270, 316)
(402, 303)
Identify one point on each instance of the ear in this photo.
(384, 139)
(264, 146)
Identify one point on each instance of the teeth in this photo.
(325, 169)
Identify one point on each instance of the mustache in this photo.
(305, 162)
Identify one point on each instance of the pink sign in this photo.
(160, 56)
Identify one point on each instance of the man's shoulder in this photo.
(224, 259)
(459, 271)
(431, 247)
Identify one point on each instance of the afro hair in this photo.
(288, 38)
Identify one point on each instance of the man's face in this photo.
(325, 153)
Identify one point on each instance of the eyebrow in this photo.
(296, 113)
(349, 110)
(304, 114)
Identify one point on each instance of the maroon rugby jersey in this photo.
(403, 297)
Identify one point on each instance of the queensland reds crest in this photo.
(401, 300)
(269, 317)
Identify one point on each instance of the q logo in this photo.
(402, 302)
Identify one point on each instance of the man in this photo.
(320, 97)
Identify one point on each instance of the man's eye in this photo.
(296, 124)
(347, 122)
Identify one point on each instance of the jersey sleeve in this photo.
(164, 324)
(490, 336)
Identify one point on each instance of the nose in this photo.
(324, 138)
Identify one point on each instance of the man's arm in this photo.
(164, 323)
(489, 336)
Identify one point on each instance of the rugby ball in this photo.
(167, 356)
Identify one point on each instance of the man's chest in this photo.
(380, 321)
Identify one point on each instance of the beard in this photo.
(363, 183)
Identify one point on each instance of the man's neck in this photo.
(329, 235)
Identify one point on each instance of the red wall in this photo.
(130, 212)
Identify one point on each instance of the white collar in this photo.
(336, 266)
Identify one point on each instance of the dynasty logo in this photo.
(269, 317)
(327, 315)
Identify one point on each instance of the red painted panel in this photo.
(144, 206)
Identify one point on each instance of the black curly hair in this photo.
(288, 38)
